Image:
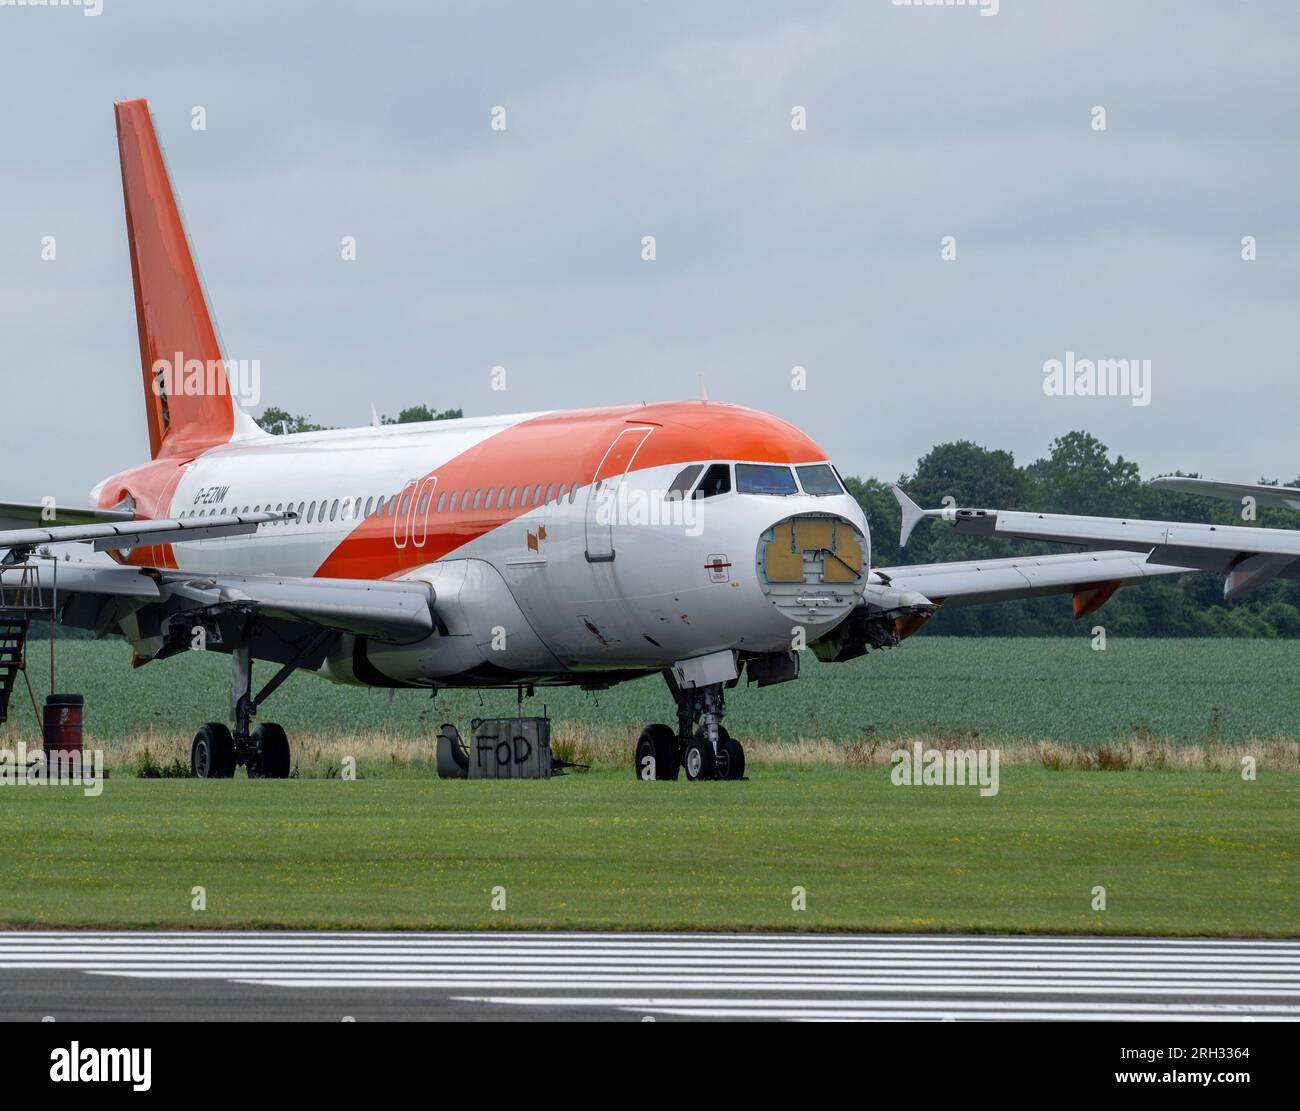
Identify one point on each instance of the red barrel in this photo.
(62, 722)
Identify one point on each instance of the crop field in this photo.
(1175, 692)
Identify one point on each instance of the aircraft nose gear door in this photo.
(603, 505)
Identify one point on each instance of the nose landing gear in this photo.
(701, 746)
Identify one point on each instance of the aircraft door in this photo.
(603, 492)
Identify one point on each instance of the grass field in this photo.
(1177, 852)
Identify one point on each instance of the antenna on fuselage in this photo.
(374, 416)
(704, 390)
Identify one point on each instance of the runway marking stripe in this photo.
(800, 977)
(650, 1002)
(722, 963)
(943, 941)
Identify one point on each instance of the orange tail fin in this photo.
(187, 392)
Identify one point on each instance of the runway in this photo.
(466, 976)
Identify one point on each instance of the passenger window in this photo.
(819, 480)
(559, 494)
(311, 512)
(537, 494)
(369, 504)
(683, 482)
(717, 480)
(334, 508)
(514, 493)
(442, 500)
(764, 478)
(477, 494)
(501, 497)
(550, 488)
(424, 504)
(523, 498)
(573, 492)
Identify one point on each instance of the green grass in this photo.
(1178, 853)
(1049, 689)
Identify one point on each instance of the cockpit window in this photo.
(683, 482)
(717, 480)
(764, 478)
(819, 479)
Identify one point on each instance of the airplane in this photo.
(1247, 556)
(695, 540)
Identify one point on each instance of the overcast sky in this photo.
(776, 248)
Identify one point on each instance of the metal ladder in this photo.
(20, 598)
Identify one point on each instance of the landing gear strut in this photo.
(700, 746)
(264, 749)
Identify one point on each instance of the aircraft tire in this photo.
(699, 761)
(733, 753)
(212, 755)
(273, 744)
(659, 744)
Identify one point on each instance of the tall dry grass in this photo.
(378, 752)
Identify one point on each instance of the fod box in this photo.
(510, 748)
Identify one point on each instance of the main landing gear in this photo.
(264, 750)
(700, 746)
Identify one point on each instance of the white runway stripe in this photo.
(792, 976)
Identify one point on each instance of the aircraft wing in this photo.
(897, 601)
(281, 618)
(1267, 497)
(18, 515)
(1248, 557)
(110, 530)
(1083, 574)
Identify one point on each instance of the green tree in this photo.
(1078, 476)
(279, 421)
(418, 413)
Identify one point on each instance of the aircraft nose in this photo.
(811, 567)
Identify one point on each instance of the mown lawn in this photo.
(1177, 852)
